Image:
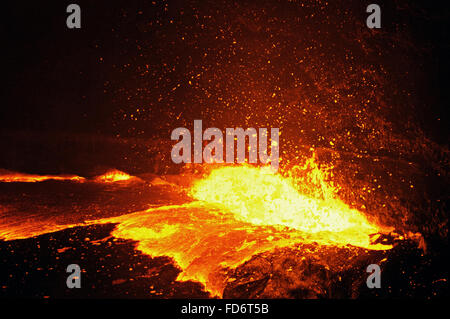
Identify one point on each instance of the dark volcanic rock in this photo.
(111, 268)
(312, 271)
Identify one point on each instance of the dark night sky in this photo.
(138, 55)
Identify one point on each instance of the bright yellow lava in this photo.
(113, 176)
(260, 197)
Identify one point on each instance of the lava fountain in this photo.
(260, 197)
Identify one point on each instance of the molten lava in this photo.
(114, 176)
(9, 177)
(260, 197)
(242, 211)
(237, 212)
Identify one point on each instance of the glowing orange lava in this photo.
(237, 213)
(9, 177)
(242, 211)
(114, 176)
